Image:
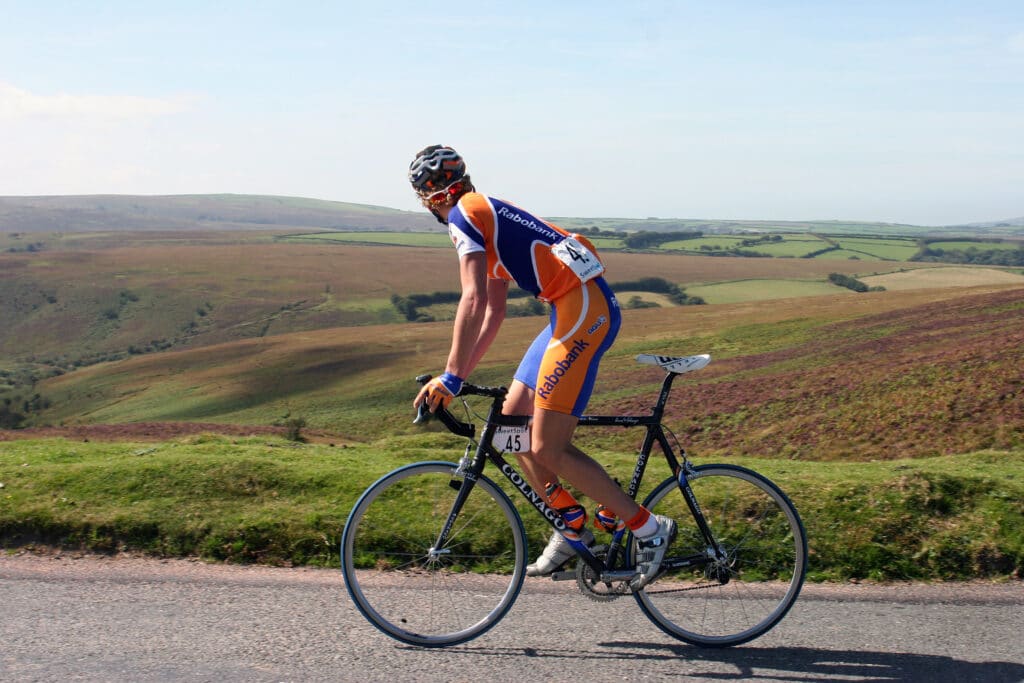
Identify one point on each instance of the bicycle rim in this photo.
(737, 599)
(438, 598)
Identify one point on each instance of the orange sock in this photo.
(643, 523)
(638, 520)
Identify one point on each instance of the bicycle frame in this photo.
(470, 468)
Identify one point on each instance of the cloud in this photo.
(16, 103)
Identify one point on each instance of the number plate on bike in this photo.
(512, 439)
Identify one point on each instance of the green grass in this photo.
(406, 239)
(605, 242)
(272, 501)
(843, 255)
(791, 246)
(888, 249)
(760, 290)
(980, 246)
(720, 242)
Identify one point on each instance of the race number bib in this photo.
(582, 261)
(512, 439)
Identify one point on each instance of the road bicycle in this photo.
(435, 553)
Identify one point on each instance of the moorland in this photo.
(154, 356)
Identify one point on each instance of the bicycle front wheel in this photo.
(426, 595)
(741, 591)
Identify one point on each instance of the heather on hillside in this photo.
(936, 379)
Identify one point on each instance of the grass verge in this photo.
(275, 502)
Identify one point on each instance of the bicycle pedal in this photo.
(564, 575)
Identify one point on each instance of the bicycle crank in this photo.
(591, 584)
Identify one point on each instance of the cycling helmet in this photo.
(436, 168)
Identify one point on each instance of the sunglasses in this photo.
(442, 196)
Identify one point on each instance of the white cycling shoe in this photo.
(651, 551)
(557, 553)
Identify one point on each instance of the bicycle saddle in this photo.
(675, 364)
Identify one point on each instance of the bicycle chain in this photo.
(691, 588)
(587, 581)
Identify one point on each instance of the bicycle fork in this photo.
(714, 555)
(463, 480)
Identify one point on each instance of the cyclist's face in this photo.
(441, 209)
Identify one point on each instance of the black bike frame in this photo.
(470, 471)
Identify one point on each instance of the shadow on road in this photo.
(785, 663)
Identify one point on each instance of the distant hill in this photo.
(1005, 223)
(226, 212)
(101, 213)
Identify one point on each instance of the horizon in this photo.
(1011, 220)
(908, 114)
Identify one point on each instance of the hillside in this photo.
(1006, 223)
(879, 376)
(67, 306)
(225, 212)
(103, 213)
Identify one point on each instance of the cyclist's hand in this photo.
(439, 392)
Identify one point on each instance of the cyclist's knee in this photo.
(518, 400)
(555, 457)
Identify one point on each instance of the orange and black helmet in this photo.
(436, 168)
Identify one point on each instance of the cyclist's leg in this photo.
(553, 452)
(584, 323)
(519, 401)
(597, 334)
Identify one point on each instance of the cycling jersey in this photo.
(518, 246)
(557, 267)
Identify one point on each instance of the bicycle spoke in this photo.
(755, 573)
(426, 595)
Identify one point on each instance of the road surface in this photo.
(87, 618)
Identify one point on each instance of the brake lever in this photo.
(423, 413)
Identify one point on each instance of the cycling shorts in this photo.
(561, 363)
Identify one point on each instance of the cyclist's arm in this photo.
(470, 315)
(497, 295)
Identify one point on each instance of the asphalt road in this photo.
(129, 619)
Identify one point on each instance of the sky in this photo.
(895, 111)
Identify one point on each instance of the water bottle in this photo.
(605, 519)
(574, 514)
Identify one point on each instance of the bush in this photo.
(293, 429)
(846, 281)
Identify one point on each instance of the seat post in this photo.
(666, 387)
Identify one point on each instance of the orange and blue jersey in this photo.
(561, 363)
(517, 245)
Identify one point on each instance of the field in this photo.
(249, 499)
(976, 244)
(166, 365)
(948, 276)
(895, 420)
(62, 306)
(407, 239)
(882, 375)
(760, 290)
(777, 245)
(891, 249)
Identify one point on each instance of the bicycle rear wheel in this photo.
(757, 578)
(428, 596)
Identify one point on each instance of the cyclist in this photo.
(498, 243)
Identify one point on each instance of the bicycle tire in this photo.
(732, 602)
(424, 598)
